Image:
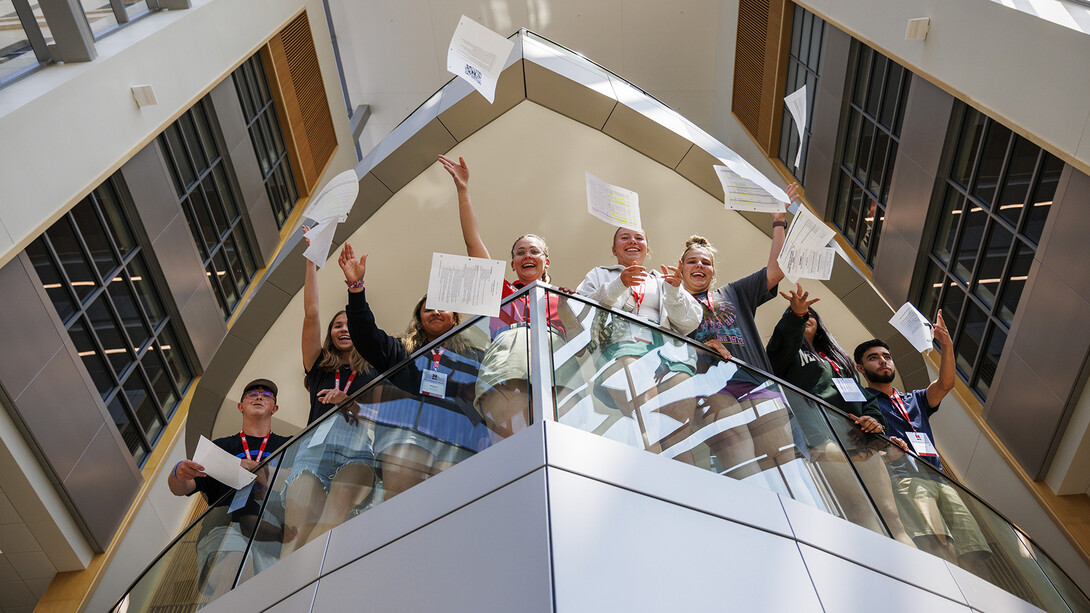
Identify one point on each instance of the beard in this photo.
(877, 377)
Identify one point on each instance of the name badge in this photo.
(921, 444)
(241, 496)
(433, 383)
(849, 389)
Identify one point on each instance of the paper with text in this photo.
(796, 105)
(321, 239)
(741, 166)
(742, 194)
(478, 55)
(612, 204)
(805, 254)
(221, 466)
(465, 285)
(914, 327)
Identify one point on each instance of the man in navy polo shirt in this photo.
(932, 511)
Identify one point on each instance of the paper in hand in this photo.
(796, 105)
(744, 194)
(614, 205)
(805, 254)
(465, 285)
(478, 55)
(321, 239)
(221, 466)
(336, 198)
(914, 327)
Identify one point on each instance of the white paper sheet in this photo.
(804, 263)
(321, 239)
(465, 285)
(742, 166)
(743, 194)
(221, 466)
(336, 198)
(477, 55)
(796, 104)
(913, 326)
(612, 204)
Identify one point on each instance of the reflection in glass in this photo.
(968, 341)
(948, 224)
(989, 361)
(971, 128)
(972, 235)
(1041, 202)
(1016, 281)
(51, 279)
(990, 271)
(991, 162)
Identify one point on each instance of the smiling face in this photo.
(809, 330)
(435, 323)
(630, 246)
(258, 402)
(338, 339)
(529, 259)
(697, 270)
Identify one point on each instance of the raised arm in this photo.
(466, 215)
(779, 234)
(788, 335)
(940, 387)
(376, 346)
(312, 324)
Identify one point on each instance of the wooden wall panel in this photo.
(759, 61)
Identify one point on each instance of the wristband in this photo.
(354, 284)
(176, 468)
(780, 223)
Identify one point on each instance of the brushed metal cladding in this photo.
(148, 180)
(607, 540)
(203, 321)
(560, 93)
(846, 586)
(911, 186)
(229, 114)
(102, 484)
(489, 555)
(244, 161)
(463, 110)
(34, 330)
(893, 266)
(1023, 412)
(925, 122)
(476, 477)
(176, 252)
(698, 166)
(870, 549)
(263, 223)
(1064, 238)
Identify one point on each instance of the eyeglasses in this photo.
(252, 394)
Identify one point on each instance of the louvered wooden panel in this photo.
(759, 60)
(301, 103)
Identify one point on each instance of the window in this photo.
(265, 134)
(991, 210)
(201, 180)
(870, 133)
(803, 68)
(96, 273)
(23, 44)
(106, 16)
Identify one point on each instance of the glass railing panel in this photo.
(629, 382)
(1076, 600)
(416, 422)
(203, 562)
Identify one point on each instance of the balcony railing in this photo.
(604, 372)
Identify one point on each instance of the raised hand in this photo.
(305, 237)
(942, 335)
(354, 268)
(672, 275)
(799, 303)
(458, 171)
(633, 275)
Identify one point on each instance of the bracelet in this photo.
(780, 223)
(354, 284)
(175, 471)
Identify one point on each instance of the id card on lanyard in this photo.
(847, 386)
(432, 382)
(920, 442)
(641, 334)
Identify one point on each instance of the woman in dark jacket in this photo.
(804, 353)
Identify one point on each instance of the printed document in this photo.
(914, 327)
(743, 194)
(614, 205)
(329, 208)
(805, 254)
(477, 55)
(465, 285)
(221, 466)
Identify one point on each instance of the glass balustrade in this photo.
(612, 375)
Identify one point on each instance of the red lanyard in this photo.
(337, 381)
(895, 398)
(710, 304)
(435, 355)
(836, 368)
(638, 294)
(246, 445)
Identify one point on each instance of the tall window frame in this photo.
(101, 280)
(870, 133)
(116, 14)
(987, 219)
(203, 181)
(803, 68)
(255, 96)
